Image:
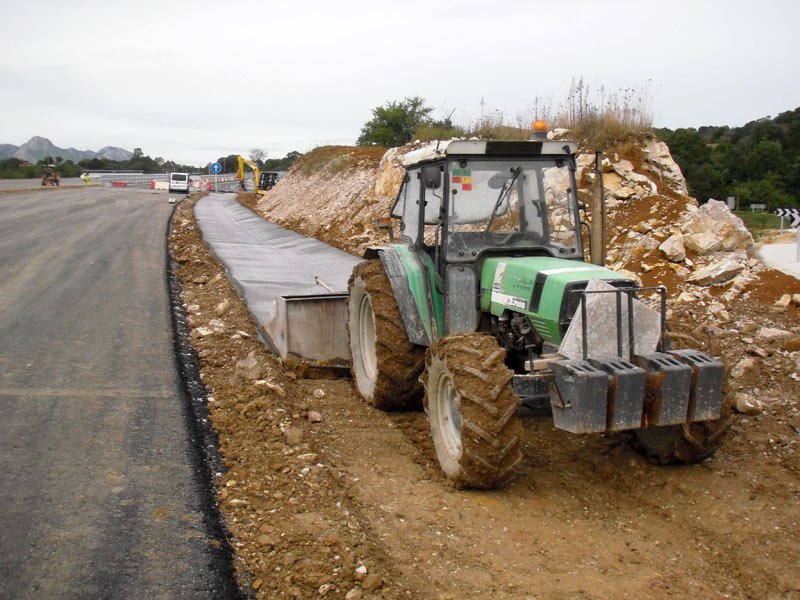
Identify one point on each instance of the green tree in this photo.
(394, 123)
(763, 191)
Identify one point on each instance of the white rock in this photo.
(222, 307)
(624, 193)
(602, 330)
(630, 274)
(769, 334)
(745, 368)
(217, 325)
(623, 168)
(249, 368)
(673, 248)
(747, 404)
(659, 157)
(702, 243)
(715, 216)
(718, 272)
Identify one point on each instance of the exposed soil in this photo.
(327, 496)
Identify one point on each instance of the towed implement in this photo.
(486, 303)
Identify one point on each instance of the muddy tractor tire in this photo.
(681, 444)
(472, 411)
(386, 365)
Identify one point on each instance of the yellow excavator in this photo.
(262, 182)
(256, 172)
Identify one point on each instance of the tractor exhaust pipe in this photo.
(597, 236)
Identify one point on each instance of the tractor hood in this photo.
(540, 287)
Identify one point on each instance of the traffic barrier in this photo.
(119, 183)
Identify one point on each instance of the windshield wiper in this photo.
(507, 185)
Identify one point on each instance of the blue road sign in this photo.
(216, 168)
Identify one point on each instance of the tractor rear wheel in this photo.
(472, 410)
(687, 444)
(386, 365)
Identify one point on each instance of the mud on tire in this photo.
(472, 410)
(386, 366)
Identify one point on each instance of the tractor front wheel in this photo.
(472, 410)
(386, 365)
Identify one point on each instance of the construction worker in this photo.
(85, 177)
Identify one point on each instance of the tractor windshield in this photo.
(519, 203)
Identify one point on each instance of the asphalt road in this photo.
(100, 491)
(33, 184)
(784, 257)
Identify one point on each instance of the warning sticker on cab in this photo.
(462, 177)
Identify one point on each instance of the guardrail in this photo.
(223, 182)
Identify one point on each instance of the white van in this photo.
(179, 182)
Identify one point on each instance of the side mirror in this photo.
(432, 177)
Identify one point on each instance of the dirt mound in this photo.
(334, 194)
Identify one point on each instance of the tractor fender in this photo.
(414, 308)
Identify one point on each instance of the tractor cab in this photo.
(267, 180)
(481, 198)
(485, 223)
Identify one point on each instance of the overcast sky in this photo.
(194, 80)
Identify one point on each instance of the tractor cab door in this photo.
(453, 287)
(418, 207)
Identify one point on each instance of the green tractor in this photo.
(470, 307)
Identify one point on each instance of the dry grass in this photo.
(600, 120)
(338, 158)
(596, 120)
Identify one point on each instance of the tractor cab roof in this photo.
(493, 148)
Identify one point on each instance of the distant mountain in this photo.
(114, 153)
(7, 150)
(38, 147)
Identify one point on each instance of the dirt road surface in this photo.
(328, 497)
(101, 495)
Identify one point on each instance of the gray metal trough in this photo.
(295, 287)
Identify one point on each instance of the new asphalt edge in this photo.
(206, 460)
